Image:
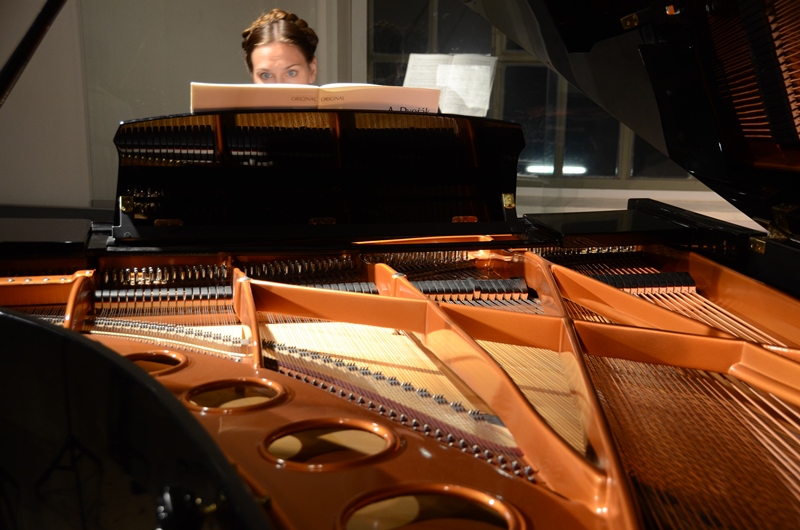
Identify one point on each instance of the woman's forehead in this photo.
(276, 55)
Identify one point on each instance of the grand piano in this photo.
(396, 347)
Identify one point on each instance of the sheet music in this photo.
(465, 80)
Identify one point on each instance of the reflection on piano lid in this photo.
(393, 347)
(713, 85)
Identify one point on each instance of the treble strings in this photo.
(383, 369)
(540, 376)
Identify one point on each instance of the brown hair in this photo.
(279, 26)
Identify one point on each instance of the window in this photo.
(568, 137)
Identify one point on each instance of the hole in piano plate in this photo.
(231, 396)
(158, 362)
(326, 445)
(432, 507)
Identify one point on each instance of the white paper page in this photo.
(422, 69)
(464, 79)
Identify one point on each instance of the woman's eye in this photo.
(265, 75)
(291, 73)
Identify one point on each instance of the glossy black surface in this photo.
(647, 221)
(305, 174)
(674, 74)
(92, 441)
(600, 223)
(53, 236)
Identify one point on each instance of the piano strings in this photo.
(389, 372)
(673, 424)
(542, 378)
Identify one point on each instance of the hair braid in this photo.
(279, 26)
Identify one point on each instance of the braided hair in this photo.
(279, 26)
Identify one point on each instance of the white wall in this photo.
(23, 13)
(44, 157)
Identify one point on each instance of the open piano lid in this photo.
(315, 177)
(715, 85)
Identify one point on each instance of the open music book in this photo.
(357, 96)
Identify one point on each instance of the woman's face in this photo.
(282, 63)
